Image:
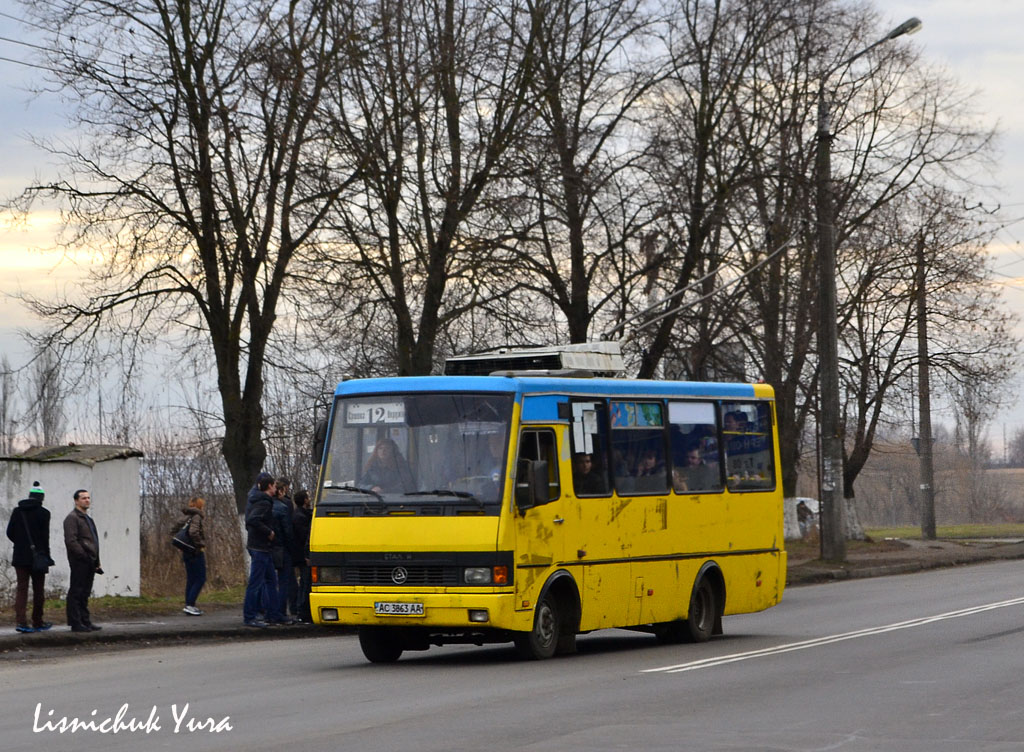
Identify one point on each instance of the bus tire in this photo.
(700, 621)
(541, 642)
(379, 644)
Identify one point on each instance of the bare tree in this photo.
(1015, 450)
(200, 174)
(47, 398)
(8, 396)
(580, 192)
(713, 47)
(431, 98)
(972, 341)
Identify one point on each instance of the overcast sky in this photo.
(978, 42)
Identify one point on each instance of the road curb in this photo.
(796, 576)
(133, 635)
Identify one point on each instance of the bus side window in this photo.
(693, 434)
(747, 441)
(638, 447)
(590, 448)
(541, 445)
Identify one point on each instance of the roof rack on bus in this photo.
(593, 358)
(561, 373)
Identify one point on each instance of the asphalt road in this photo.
(932, 661)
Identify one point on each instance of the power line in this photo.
(24, 44)
(674, 309)
(30, 65)
(23, 21)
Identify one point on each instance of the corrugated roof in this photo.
(83, 454)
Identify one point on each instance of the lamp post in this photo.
(833, 529)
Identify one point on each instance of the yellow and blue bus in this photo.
(530, 509)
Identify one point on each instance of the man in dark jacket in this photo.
(83, 545)
(28, 529)
(286, 578)
(259, 526)
(282, 551)
(302, 520)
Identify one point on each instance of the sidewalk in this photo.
(914, 555)
(215, 623)
(225, 622)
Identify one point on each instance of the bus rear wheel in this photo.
(380, 644)
(700, 623)
(541, 641)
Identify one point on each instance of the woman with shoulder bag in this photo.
(195, 563)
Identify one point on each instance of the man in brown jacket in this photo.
(83, 544)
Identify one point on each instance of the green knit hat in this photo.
(36, 492)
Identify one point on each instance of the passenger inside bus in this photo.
(586, 478)
(695, 475)
(387, 471)
(734, 422)
(493, 464)
(650, 472)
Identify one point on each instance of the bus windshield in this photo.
(417, 449)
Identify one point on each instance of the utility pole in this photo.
(924, 446)
(833, 527)
(833, 532)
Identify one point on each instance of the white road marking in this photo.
(828, 640)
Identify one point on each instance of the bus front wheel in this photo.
(541, 641)
(379, 644)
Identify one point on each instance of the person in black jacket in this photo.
(29, 527)
(259, 526)
(82, 541)
(302, 520)
(281, 553)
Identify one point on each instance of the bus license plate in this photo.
(390, 608)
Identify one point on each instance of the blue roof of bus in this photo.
(544, 385)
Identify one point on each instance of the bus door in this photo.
(540, 530)
(602, 540)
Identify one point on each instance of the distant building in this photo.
(111, 474)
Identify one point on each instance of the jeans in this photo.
(38, 580)
(79, 588)
(305, 583)
(293, 590)
(195, 576)
(261, 590)
(284, 574)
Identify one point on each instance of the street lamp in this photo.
(833, 529)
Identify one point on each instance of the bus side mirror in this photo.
(319, 441)
(531, 484)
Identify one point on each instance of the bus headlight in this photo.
(326, 575)
(477, 575)
(485, 575)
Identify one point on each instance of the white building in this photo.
(111, 475)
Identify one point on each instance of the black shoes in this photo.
(85, 628)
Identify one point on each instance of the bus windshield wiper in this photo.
(356, 489)
(449, 492)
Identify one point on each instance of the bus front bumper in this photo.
(411, 609)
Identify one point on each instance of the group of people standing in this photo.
(29, 531)
(277, 538)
